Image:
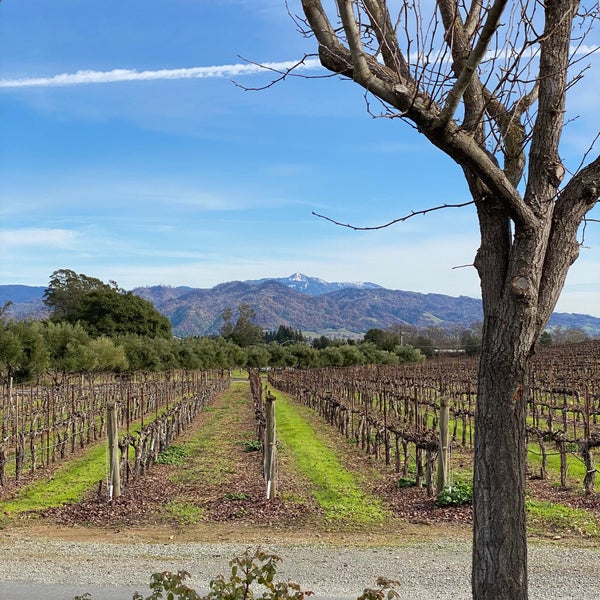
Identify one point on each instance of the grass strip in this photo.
(544, 516)
(69, 483)
(335, 487)
(209, 451)
(71, 480)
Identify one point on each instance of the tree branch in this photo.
(361, 72)
(473, 17)
(473, 61)
(283, 73)
(512, 131)
(417, 105)
(413, 213)
(577, 198)
(384, 30)
(545, 167)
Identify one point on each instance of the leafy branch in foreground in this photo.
(247, 571)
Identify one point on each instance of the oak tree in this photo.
(485, 81)
(103, 309)
(66, 289)
(244, 332)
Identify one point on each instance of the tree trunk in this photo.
(499, 533)
(528, 240)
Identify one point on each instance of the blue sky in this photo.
(174, 175)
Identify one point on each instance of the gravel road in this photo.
(426, 570)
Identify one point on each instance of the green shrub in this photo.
(385, 591)
(455, 495)
(172, 584)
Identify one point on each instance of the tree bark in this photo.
(509, 268)
(499, 535)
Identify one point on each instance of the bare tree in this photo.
(485, 81)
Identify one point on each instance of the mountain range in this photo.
(304, 303)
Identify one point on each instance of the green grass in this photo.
(73, 478)
(173, 455)
(575, 466)
(239, 374)
(207, 459)
(185, 513)
(335, 488)
(68, 484)
(544, 517)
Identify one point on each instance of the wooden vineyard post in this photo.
(590, 470)
(442, 474)
(113, 449)
(270, 448)
(16, 407)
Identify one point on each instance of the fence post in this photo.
(590, 470)
(270, 448)
(442, 474)
(15, 406)
(113, 449)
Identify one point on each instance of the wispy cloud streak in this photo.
(215, 72)
(118, 75)
(32, 236)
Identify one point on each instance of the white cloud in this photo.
(401, 265)
(118, 75)
(38, 237)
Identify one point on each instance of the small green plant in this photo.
(404, 482)
(251, 445)
(385, 590)
(171, 583)
(455, 495)
(173, 455)
(236, 496)
(247, 571)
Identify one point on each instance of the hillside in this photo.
(26, 301)
(349, 310)
(300, 302)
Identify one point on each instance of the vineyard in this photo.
(393, 412)
(42, 425)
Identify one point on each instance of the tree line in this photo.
(96, 327)
(30, 350)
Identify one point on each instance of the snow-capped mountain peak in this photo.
(314, 286)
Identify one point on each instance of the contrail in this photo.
(117, 75)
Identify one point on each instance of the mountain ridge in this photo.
(314, 286)
(309, 304)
